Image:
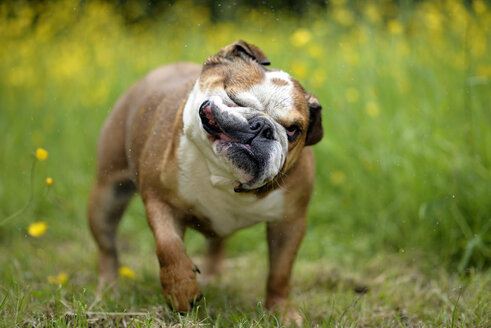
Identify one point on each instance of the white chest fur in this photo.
(212, 195)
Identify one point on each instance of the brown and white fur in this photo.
(216, 148)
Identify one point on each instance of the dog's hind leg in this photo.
(213, 262)
(108, 201)
(214, 258)
(111, 192)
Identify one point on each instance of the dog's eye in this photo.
(237, 102)
(292, 132)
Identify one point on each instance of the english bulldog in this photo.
(217, 148)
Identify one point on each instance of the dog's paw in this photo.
(292, 317)
(180, 287)
(286, 310)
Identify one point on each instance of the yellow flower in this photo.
(483, 71)
(478, 43)
(394, 27)
(343, 16)
(41, 154)
(49, 181)
(372, 13)
(352, 95)
(59, 279)
(372, 109)
(37, 229)
(434, 20)
(479, 7)
(299, 69)
(338, 177)
(126, 272)
(300, 37)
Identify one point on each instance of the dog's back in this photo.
(160, 90)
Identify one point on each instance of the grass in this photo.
(385, 291)
(399, 226)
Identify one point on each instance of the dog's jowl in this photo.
(217, 148)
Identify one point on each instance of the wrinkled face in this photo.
(250, 122)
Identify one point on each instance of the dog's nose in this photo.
(262, 128)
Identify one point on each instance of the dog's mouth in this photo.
(211, 125)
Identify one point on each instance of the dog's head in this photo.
(251, 122)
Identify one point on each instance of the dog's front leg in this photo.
(177, 272)
(284, 239)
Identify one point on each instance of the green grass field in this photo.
(399, 227)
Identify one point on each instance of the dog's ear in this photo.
(315, 130)
(244, 50)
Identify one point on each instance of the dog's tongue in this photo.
(209, 116)
(239, 188)
(225, 138)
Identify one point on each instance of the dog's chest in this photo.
(227, 211)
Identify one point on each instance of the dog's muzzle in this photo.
(249, 144)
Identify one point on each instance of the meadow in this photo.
(399, 229)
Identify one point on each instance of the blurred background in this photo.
(405, 164)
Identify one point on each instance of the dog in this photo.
(217, 148)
